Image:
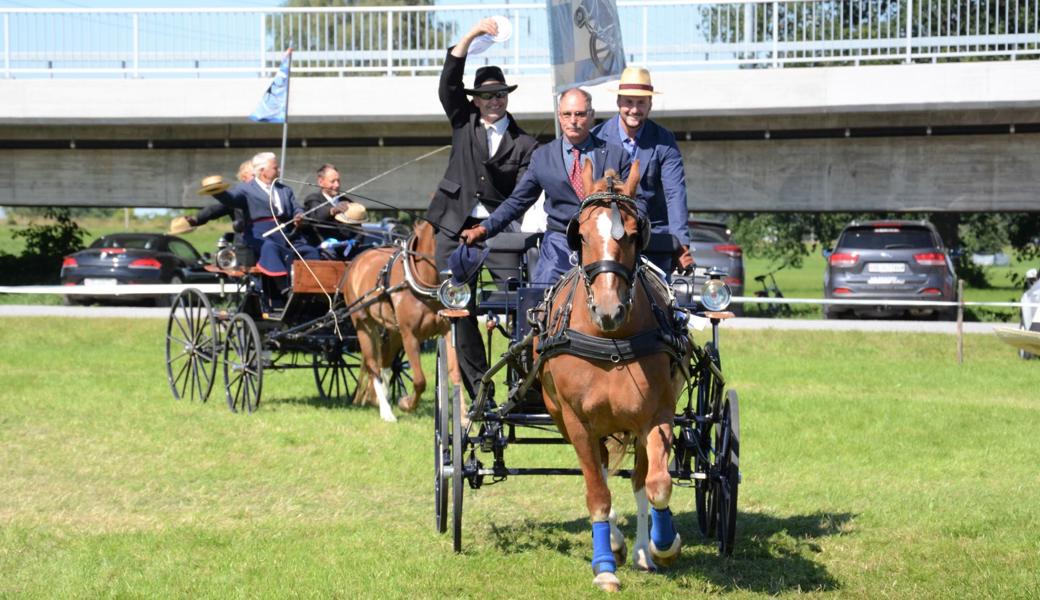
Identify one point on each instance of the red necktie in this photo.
(575, 175)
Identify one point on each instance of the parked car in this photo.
(1030, 319)
(889, 260)
(712, 246)
(134, 258)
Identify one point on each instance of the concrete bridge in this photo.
(920, 135)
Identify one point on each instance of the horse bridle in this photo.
(590, 271)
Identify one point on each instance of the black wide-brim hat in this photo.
(489, 79)
(465, 262)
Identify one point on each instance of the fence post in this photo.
(776, 34)
(137, 46)
(389, 42)
(909, 31)
(263, 44)
(960, 321)
(516, 42)
(646, 33)
(7, 46)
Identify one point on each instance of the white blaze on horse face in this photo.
(603, 227)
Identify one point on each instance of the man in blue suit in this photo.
(270, 203)
(553, 167)
(662, 180)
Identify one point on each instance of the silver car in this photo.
(712, 246)
(885, 261)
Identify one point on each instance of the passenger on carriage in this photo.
(334, 221)
(556, 170)
(662, 179)
(271, 203)
(239, 217)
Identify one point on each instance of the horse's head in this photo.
(608, 235)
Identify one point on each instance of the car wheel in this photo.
(167, 301)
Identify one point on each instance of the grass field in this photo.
(873, 467)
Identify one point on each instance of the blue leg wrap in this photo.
(602, 556)
(662, 531)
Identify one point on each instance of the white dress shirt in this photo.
(495, 132)
(276, 202)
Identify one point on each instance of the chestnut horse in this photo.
(627, 384)
(394, 292)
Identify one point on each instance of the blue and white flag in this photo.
(275, 103)
(585, 42)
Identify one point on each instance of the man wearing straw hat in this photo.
(489, 155)
(662, 178)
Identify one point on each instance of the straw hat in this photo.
(354, 215)
(635, 81)
(214, 184)
(180, 225)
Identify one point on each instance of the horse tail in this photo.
(619, 446)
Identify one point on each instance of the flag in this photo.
(275, 103)
(585, 42)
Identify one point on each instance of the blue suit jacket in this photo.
(253, 198)
(662, 180)
(548, 172)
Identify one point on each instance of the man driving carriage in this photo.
(270, 204)
(334, 220)
(556, 170)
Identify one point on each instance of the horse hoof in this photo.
(607, 581)
(667, 557)
(388, 417)
(407, 403)
(641, 560)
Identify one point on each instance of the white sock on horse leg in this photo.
(385, 412)
(641, 550)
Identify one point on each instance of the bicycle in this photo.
(772, 290)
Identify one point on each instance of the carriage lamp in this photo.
(683, 288)
(452, 295)
(715, 295)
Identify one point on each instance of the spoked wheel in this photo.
(457, 436)
(709, 397)
(441, 449)
(191, 346)
(728, 461)
(335, 376)
(243, 367)
(400, 377)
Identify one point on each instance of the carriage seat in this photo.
(317, 276)
(510, 266)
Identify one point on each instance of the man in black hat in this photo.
(489, 154)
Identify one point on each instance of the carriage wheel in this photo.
(705, 492)
(457, 436)
(441, 451)
(243, 369)
(400, 377)
(728, 459)
(603, 52)
(335, 377)
(191, 346)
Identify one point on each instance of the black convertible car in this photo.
(134, 258)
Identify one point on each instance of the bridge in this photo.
(923, 105)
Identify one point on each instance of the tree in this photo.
(45, 247)
(340, 32)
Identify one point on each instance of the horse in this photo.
(392, 292)
(611, 366)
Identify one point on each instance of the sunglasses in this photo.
(578, 114)
(490, 95)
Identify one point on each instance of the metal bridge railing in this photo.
(407, 40)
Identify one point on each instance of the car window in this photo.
(886, 238)
(702, 233)
(184, 250)
(133, 243)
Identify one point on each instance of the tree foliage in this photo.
(46, 244)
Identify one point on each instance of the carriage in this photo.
(471, 442)
(248, 330)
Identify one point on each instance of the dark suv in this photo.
(888, 260)
(712, 246)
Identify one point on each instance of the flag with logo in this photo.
(274, 106)
(585, 42)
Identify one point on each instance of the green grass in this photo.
(874, 467)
